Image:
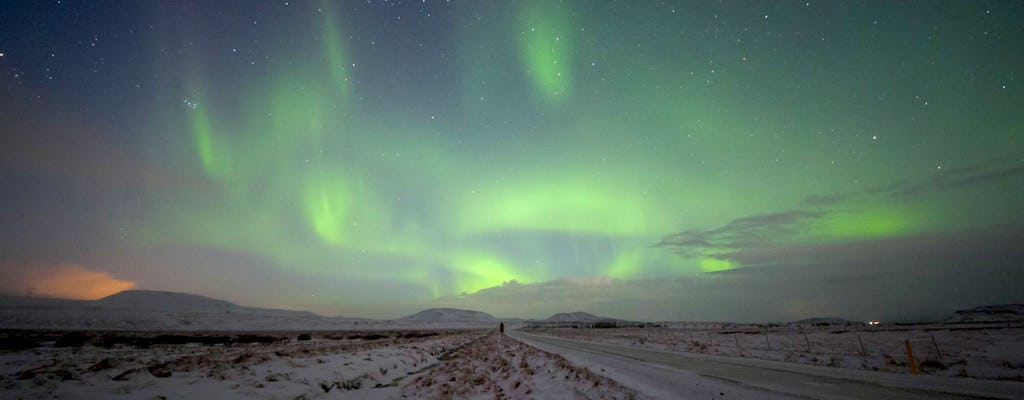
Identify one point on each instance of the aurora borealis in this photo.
(657, 160)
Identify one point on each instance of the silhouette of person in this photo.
(501, 327)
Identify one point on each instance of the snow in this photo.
(650, 380)
(997, 313)
(664, 374)
(336, 365)
(500, 367)
(577, 316)
(146, 344)
(449, 315)
(154, 310)
(136, 310)
(359, 365)
(980, 350)
(164, 301)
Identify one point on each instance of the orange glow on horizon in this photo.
(73, 281)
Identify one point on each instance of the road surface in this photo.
(660, 374)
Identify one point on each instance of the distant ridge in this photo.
(451, 315)
(826, 321)
(577, 316)
(156, 310)
(156, 300)
(167, 301)
(994, 313)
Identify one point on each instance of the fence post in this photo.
(910, 358)
(936, 345)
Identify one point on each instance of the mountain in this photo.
(996, 313)
(450, 315)
(578, 316)
(156, 310)
(164, 301)
(154, 300)
(826, 321)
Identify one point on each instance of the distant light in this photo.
(873, 323)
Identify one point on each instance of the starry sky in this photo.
(729, 160)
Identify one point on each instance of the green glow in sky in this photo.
(714, 264)
(546, 48)
(327, 204)
(435, 149)
(571, 204)
(304, 180)
(214, 154)
(334, 50)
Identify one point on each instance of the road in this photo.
(660, 374)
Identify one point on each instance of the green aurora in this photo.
(412, 153)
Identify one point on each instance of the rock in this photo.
(105, 363)
(162, 370)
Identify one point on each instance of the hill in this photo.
(577, 316)
(825, 321)
(996, 313)
(155, 310)
(154, 300)
(450, 315)
(166, 301)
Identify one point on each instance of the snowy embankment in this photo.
(500, 367)
(204, 365)
(978, 350)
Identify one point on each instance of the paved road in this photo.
(659, 374)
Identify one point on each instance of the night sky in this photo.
(647, 160)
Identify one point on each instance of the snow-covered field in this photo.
(977, 350)
(160, 345)
(270, 366)
(499, 367)
(424, 364)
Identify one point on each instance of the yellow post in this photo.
(910, 358)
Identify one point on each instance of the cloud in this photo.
(742, 233)
(953, 178)
(823, 200)
(941, 180)
(924, 277)
(70, 281)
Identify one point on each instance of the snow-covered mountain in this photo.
(450, 315)
(155, 310)
(158, 310)
(825, 321)
(165, 301)
(577, 316)
(996, 313)
(154, 300)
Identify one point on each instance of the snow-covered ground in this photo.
(328, 365)
(977, 350)
(424, 364)
(500, 367)
(143, 344)
(662, 374)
